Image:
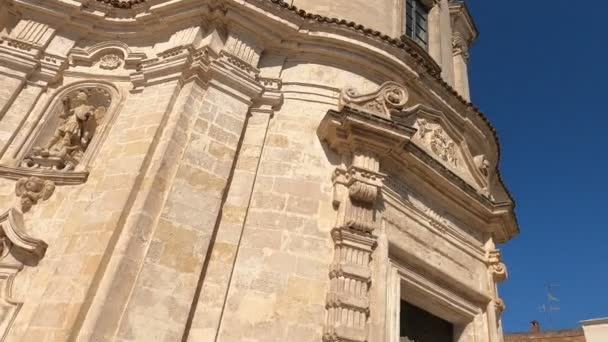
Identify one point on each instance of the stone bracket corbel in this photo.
(17, 249)
(13, 236)
(498, 273)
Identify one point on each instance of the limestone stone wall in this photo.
(236, 171)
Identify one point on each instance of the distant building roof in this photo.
(573, 335)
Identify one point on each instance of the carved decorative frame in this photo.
(405, 283)
(80, 173)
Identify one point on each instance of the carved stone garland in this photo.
(357, 190)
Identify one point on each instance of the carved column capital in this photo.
(497, 268)
(460, 46)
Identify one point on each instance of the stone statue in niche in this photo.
(80, 115)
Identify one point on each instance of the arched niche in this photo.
(70, 131)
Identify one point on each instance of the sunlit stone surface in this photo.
(252, 171)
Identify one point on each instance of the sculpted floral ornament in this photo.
(110, 62)
(440, 142)
(78, 120)
(389, 97)
(32, 190)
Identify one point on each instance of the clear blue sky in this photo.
(538, 71)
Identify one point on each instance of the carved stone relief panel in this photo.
(389, 97)
(74, 122)
(440, 143)
(110, 61)
(444, 141)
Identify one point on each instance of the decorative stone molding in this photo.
(17, 249)
(110, 61)
(109, 54)
(244, 47)
(389, 97)
(32, 190)
(29, 34)
(237, 63)
(59, 178)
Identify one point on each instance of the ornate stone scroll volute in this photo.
(17, 249)
(498, 273)
(389, 97)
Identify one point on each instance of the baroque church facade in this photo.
(246, 170)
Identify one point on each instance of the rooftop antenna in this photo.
(552, 303)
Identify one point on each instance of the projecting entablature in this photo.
(423, 146)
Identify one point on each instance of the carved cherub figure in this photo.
(33, 189)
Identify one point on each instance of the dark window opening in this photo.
(416, 26)
(417, 325)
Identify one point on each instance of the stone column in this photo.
(447, 67)
(434, 33)
(461, 72)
